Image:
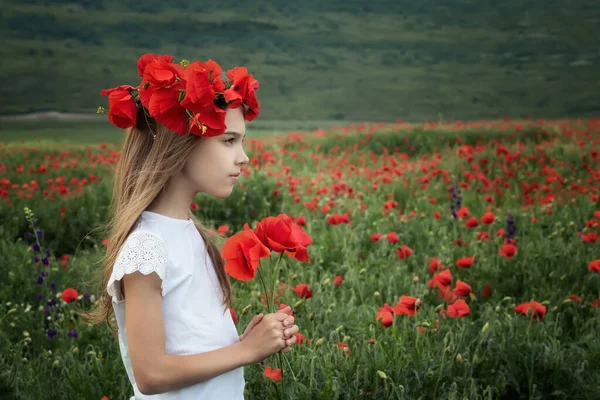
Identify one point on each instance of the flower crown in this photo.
(185, 97)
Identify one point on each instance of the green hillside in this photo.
(350, 60)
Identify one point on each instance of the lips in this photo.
(236, 175)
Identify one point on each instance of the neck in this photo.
(175, 200)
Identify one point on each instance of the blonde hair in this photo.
(141, 174)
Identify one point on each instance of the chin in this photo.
(222, 195)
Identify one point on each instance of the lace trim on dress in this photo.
(142, 251)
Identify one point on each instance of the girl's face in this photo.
(211, 164)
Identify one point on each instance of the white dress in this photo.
(195, 321)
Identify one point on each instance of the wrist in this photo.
(246, 354)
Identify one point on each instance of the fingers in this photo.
(288, 321)
(285, 310)
(280, 316)
(290, 331)
(255, 320)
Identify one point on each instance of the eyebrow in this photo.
(235, 134)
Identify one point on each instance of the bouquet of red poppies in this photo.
(244, 251)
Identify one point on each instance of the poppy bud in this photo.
(362, 271)
(376, 294)
(55, 364)
(246, 309)
(75, 350)
(12, 310)
(485, 327)
(459, 359)
(326, 282)
(497, 309)
(382, 375)
(311, 316)
(320, 341)
(507, 298)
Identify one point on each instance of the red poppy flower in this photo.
(472, 223)
(208, 123)
(122, 108)
(442, 280)
(233, 315)
(69, 295)
(594, 266)
(345, 348)
(487, 291)
(507, 250)
(403, 252)
(407, 305)
(199, 92)
(165, 108)
(303, 291)
(243, 90)
(282, 234)
(538, 310)
(488, 218)
(300, 338)
(590, 237)
(160, 74)
(385, 314)
(465, 262)
(483, 236)
(146, 59)
(223, 229)
(375, 237)
(458, 309)
(337, 219)
(392, 237)
(461, 289)
(242, 253)
(435, 264)
(462, 212)
(273, 373)
(338, 280)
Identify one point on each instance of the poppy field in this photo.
(448, 260)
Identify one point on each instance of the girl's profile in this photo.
(163, 277)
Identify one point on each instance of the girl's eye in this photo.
(229, 141)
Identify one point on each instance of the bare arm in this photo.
(154, 370)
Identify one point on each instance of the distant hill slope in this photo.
(355, 60)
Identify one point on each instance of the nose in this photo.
(244, 158)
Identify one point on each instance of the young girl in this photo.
(165, 280)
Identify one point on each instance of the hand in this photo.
(266, 337)
(290, 334)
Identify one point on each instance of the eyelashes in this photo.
(230, 141)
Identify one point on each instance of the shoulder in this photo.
(142, 251)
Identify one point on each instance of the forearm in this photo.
(174, 372)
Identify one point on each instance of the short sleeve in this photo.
(142, 251)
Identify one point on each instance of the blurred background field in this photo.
(332, 60)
